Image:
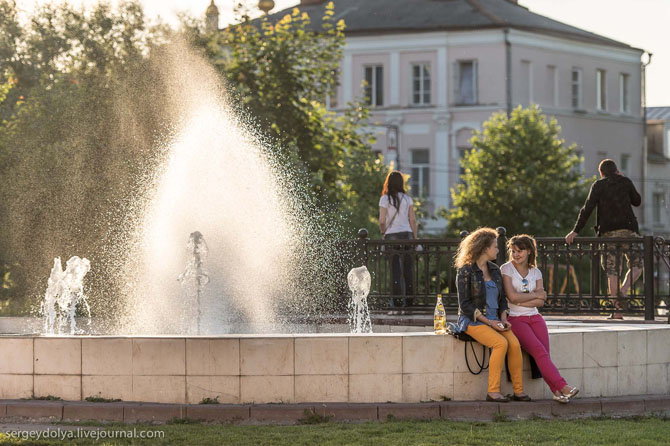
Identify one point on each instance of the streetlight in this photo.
(266, 5)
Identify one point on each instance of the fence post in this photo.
(649, 305)
(502, 245)
(362, 242)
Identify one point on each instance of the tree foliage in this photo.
(519, 175)
(82, 113)
(280, 73)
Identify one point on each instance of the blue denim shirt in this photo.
(491, 307)
(472, 294)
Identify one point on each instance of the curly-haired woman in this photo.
(482, 309)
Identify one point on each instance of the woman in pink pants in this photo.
(523, 286)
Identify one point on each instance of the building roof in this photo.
(402, 16)
(658, 113)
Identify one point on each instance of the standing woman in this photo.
(397, 222)
(525, 292)
(482, 310)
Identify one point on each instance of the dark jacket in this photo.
(614, 197)
(471, 288)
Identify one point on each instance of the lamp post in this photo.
(266, 5)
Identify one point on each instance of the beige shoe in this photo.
(561, 399)
(573, 391)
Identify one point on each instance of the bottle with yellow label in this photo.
(440, 317)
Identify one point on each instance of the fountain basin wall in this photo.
(398, 367)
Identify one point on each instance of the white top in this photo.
(401, 222)
(533, 276)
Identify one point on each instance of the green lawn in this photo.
(629, 432)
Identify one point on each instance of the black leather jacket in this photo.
(472, 290)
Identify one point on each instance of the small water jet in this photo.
(65, 292)
(359, 315)
(194, 278)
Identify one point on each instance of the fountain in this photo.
(64, 294)
(194, 278)
(359, 316)
(269, 258)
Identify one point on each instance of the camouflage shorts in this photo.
(608, 260)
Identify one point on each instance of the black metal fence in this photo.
(574, 279)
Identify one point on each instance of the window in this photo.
(576, 89)
(580, 167)
(466, 82)
(658, 203)
(552, 86)
(374, 88)
(623, 93)
(667, 144)
(420, 172)
(421, 84)
(526, 88)
(462, 151)
(332, 99)
(625, 164)
(601, 91)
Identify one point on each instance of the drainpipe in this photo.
(645, 148)
(508, 72)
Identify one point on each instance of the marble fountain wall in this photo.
(609, 360)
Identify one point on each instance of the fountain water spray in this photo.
(65, 291)
(194, 278)
(359, 315)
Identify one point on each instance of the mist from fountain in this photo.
(359, 315)
(268, 252)
(64, 294)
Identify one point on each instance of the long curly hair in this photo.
(523, 241)
(474, 245)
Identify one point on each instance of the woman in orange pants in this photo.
(482, 310)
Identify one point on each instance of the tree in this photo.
(281, 74)
(519, 175)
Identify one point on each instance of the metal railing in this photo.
(575, 281)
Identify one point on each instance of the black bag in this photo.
(453, 330)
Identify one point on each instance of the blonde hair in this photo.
(474, 245)
(523, 241)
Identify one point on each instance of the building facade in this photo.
(434, 72)
(657, 184)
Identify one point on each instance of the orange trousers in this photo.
(502, 343)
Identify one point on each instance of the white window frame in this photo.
(372, 86)
(581, 168)
(422, 181)
(552, 69)
(528, 65)
(332, 100)
(424, 67)
(580, 89)
(625, 170)
(457, 82)
(601, 90)
(624, 93)
(656, 207)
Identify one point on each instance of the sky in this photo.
(639, 23)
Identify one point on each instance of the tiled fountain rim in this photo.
(553, 327)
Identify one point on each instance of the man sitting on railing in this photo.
(614, 195)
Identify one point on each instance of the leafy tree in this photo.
(280, 72)
(76, 134)
(520, 175)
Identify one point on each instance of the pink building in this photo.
(437, 69)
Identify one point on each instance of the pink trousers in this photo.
(534, 339)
